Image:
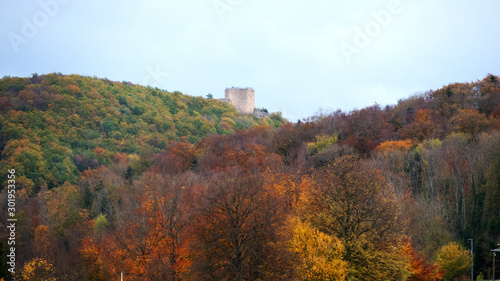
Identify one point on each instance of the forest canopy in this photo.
(114, 177)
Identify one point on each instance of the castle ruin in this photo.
(242, 98)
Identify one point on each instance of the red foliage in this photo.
(178, 157)
(421, 268)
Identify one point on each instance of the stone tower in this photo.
(242, 98)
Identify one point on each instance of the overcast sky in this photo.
(299, 56)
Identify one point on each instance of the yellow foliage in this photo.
(321, 143)
(320, 254)
(229, 121)
(350, 200)
(454, 260)
(39, 270)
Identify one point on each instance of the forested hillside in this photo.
(113, 178)
(53, 127)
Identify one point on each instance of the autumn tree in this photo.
(320, 254)
(237, 230)
(321, 142)
(350, 200)
(363, 129)
(454, 260)
(421, 269)
(389, 146)
(95, 187)
(39, 270)
(288, 144)
(178, 157)
(470, 121)
(422, 127)
(148, 237)
(249, 150)
(44, 247)
(63, 229)
(489, 94)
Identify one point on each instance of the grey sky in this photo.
(299, 56)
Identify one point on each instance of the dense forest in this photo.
(113, 178)
(54, 127)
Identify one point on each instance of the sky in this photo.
(301, 57)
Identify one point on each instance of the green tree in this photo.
(100, 224)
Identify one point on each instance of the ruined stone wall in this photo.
(242, 98)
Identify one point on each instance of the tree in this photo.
(454, 260)
(209, 96)
(39, 270)
(178, 157)
(148, 240)
(422, 127)
(470, 121)
(100, 224)
(350, 200)
(66, 224)
(421, 269)
(27, 158)
(321, 143)
(95, 187)
(236, 234)
(44, 248)
(320, 255)
(489, 94)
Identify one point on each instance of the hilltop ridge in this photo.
(65, 124)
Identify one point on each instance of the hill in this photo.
(379, 193)
(55, 126)
(469, 108)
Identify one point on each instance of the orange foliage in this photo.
(422, 270)
(236, 230)
(284, 186)
(42, 242)
(422, 128)
(178, 157)
(246, 149)
(73, 89)
(401, 145)
(27, 96)
(121, 158)
(423, 124)
(91, 254)
(99, 150)
(148, 245)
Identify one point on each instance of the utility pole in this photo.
(472, 258)
(494, 251)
